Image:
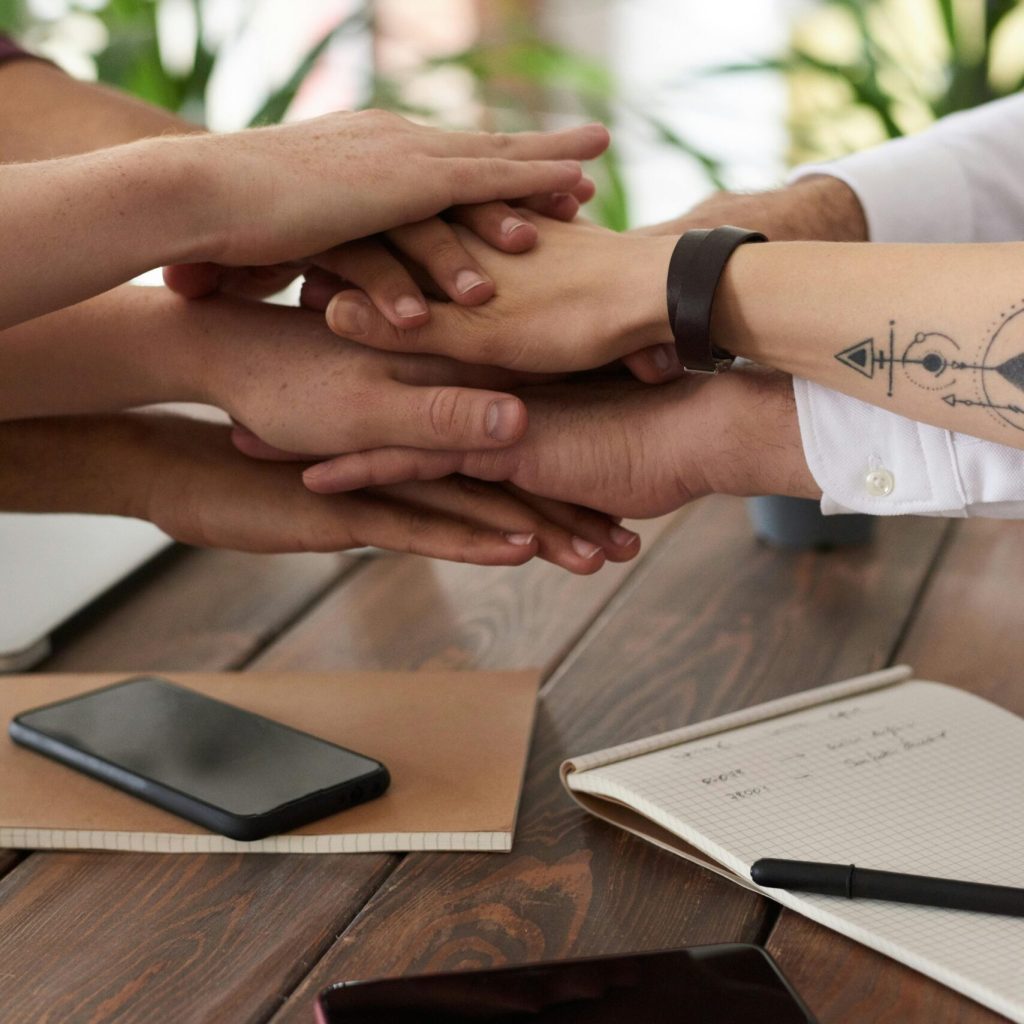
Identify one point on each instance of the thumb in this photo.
(448, 417)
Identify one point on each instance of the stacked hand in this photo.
(582, 298)
(444, 261)
(621, 447)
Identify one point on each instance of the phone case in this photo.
(245, 828)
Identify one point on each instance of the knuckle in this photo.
(448, 413)
(375, 115)
(442, 250)
(418, 525)
(462, 173)
(495, 465)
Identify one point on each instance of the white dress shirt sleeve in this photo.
(960, 181)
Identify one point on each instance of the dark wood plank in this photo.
(8, 858)
(710, 623)
(199, 610)
(409, 613)
(967, 633)
(237, 933)
(843, 981)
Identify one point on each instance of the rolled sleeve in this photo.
(959, 181)
(911, 190)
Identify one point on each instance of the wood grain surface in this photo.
(711, 622)
(967, 632)
(196, 610)
(88, 937)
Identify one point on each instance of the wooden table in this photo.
(705, 621)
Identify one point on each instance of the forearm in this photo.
(141, 346)
(128, 347)
(98, 465)
(817, 208)
(45, 114)
(930, 332)
(75, 227)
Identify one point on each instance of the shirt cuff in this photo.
(911, 190)
(870, 460)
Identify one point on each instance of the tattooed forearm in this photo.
(991, 377)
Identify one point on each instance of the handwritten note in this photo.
(917, 777)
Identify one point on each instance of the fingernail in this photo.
(511, 224)
(347, 316)
(662, 356)
(520, 539)
(584, 548)
(467, 280)
(623, 538)
(409, 305)
(502, 419)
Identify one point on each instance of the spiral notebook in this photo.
(454, 742)
(884, 771)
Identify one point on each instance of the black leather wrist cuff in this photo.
(694, 271)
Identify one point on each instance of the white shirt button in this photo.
(879, 483)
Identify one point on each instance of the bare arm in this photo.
(186, 477)
(932, 332)
(818, 310)
(45, 114)
(814, 209)
(279, 371)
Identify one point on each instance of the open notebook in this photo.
(454, 742)
(883, 771)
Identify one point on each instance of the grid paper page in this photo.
(920, 778)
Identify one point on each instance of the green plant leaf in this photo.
(277, 103)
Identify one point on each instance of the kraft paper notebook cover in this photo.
(883, 771)
(455, 744)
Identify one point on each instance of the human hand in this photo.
(622, 448)
(272, 195)
(206, 493)
(373, 265)
(185, 476)
(281, 373)
(584, 297)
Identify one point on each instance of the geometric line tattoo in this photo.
(932, 361)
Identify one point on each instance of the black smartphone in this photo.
(227, 769)
(727, 984)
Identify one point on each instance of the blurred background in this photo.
(699, 95)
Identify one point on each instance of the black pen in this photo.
(862, 883)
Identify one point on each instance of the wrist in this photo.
(179, 186)
(641, 295)
(757, 447)
(167, 347)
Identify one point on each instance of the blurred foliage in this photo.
(862, 71)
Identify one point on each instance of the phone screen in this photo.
(165, 737)
(727, 984)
